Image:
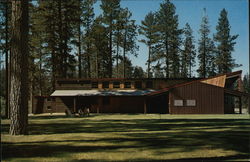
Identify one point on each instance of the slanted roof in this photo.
(236, 93)
(218, 80)
(100, 92)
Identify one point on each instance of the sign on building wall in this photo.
(191, 103)
(178, 102)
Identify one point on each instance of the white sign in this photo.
(178, 102)
(191, 103)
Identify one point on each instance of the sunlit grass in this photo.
(124, 137)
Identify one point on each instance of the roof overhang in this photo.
(61, 93)
(236, 93)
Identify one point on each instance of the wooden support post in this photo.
(99, 104)
(145, 106)
(74, 105)
(240, 105)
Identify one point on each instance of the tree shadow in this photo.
(185, 135)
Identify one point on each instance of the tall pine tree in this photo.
(19, 68)
(129, 37)
(88, 19)
(205, 49)
(225, 44)
(169, 38)
(110, 15)
(188, 54)
(148, 28)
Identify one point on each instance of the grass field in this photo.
(113, 137)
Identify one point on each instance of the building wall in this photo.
(87, 84)
(46, 104)
(209, 99)
(101, 104)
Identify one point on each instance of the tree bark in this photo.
(6, 62)
(19, 68)
(79, 50)
(124, 54)
(149, 59)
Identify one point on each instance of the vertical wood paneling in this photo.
(209, 99)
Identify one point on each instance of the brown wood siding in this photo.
(121, 104)
(116, 104)
(209, 99)
(157, 84)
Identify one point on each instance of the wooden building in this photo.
(213, 95)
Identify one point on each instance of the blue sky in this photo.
(191, 11)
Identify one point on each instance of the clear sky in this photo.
(191, 11)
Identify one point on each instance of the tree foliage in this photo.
(225, 44)
(149, 30)
(188, 54)
(205, 50)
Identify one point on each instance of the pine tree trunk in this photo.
(19, 68)
(88, 59)
(149, 58)
(117, 59)
(204, 58)
(124, 54)
(96, 64)
(167, 59)
(6, 62)
(79, 51)
(190, 69)
(110, 54)
(61, 72)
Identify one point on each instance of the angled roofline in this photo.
(120, 79)
(187, 83)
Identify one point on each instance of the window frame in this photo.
(104, 84)
(94, 84)
(126, 85)
(136, 84)
(151, 84)
(116, 85)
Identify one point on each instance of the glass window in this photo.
(178, 102)
(94, 85)
(105, 84)
(191, 102)
(127, 85)
(138, 84)
(149, 84)
(116, 85)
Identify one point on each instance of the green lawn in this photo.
(113, 137)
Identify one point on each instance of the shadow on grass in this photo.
(185, 135)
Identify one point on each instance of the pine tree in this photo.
(4, 46)
(118, 40)
(188, 54)
(225, 44)
(129, 68)
(19, 68)
(158, 70)
(149, 30)
(110, 15)
(246, 88)
(138, 72)
(99, 34)
(129, 37)
(205, 49)
(169, 38)
(88, 18)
